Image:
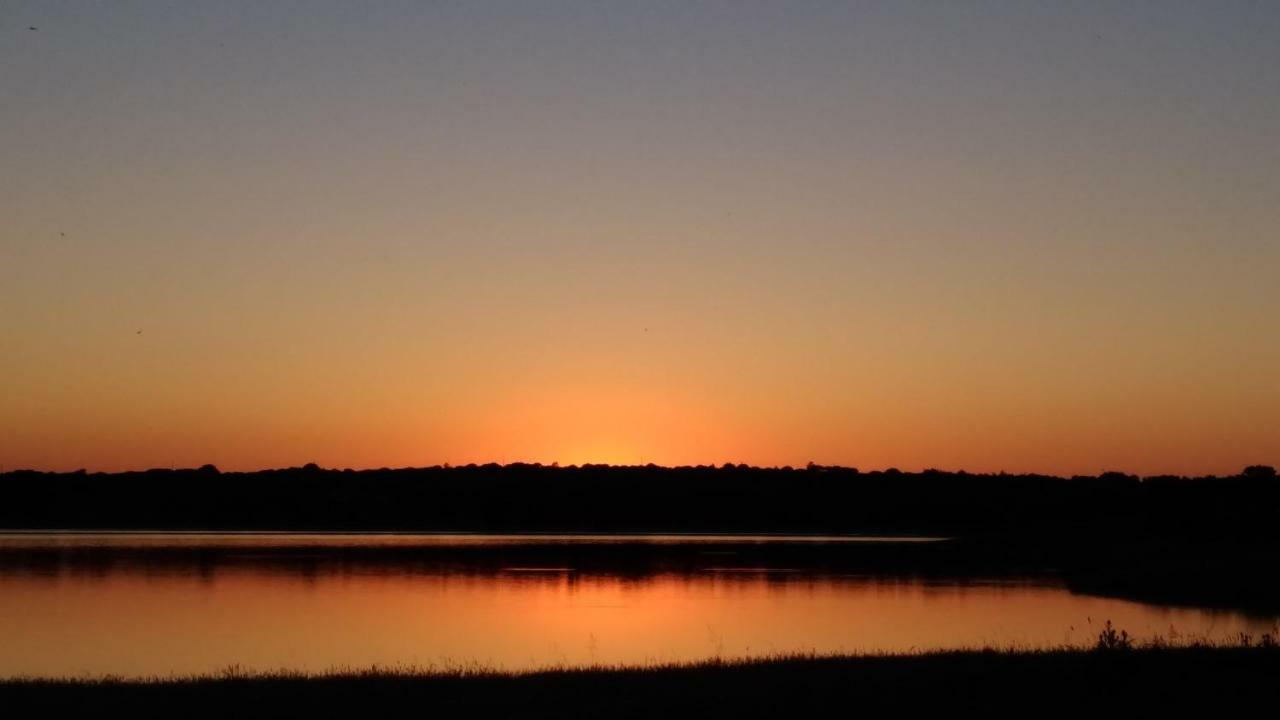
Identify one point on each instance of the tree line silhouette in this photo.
(649, 498)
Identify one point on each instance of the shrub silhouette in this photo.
(1111, 640)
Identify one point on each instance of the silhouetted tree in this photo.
(1116, 478)
(1259, 472)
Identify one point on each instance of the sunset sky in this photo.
(987, 236)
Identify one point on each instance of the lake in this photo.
(137, 604)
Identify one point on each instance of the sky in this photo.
(1020, 236)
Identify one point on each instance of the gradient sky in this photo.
(1019, 236)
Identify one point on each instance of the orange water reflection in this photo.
(132, 621)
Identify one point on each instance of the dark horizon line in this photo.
(1252, 470)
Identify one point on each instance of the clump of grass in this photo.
(1111, 640)
(1269, 639)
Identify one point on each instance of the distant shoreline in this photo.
(1207, 542)
(730, 499)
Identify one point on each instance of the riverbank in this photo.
(1146, 680)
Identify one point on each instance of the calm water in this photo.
(129, 604)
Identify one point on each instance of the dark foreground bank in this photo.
(1224, 681)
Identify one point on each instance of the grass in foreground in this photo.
(1149, 679)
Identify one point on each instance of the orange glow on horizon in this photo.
(451, 233)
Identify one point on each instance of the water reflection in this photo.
(79, 609)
